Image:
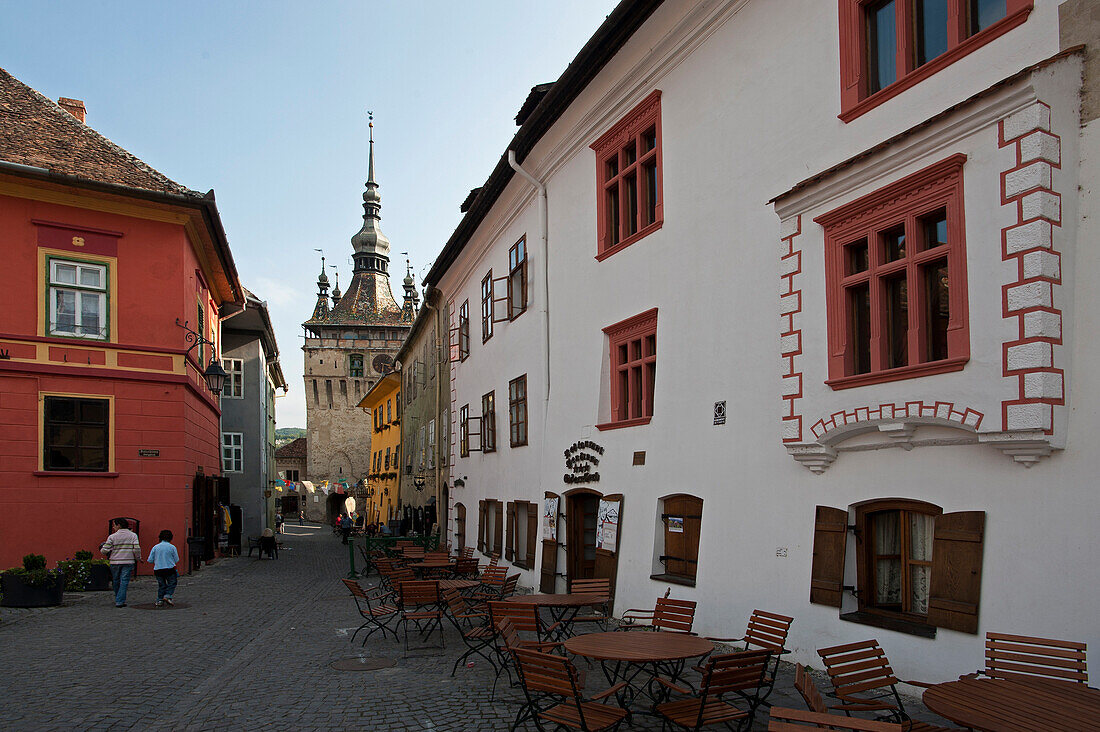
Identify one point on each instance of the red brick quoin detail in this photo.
(1029, 296)
(907, 410)
(790, 334)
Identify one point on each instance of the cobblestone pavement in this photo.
(252, 650)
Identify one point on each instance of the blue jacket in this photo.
(164, 556)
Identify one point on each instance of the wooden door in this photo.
(581, 535)
(550, 511)
(609, 511)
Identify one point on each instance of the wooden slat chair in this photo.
(805, 685)
(675, 616)
(766, 631)
(478, 635)
(493, 586)
(856, 669)
(1028, 657)
(466, 568)
(639, 616)
(508, 628)
(418, 602)
(374, 609)
(544, 675)
(467, 552)
(783, 719)
(598, 586)
(738, 673)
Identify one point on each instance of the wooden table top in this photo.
(458, 584)
(638, 646)
(1002, 705)
(545, 599)
(432, 564)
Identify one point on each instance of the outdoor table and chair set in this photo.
(1028, 683)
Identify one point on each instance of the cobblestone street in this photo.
(251, 649)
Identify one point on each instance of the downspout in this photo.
(544, 247)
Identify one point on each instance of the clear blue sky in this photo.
(265, 102)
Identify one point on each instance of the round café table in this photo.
(465, 586)
(428, 565)
(639, 658)
(562, 608)
(1001, 705)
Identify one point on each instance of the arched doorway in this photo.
(592, 522)
(460, 527)
(334, 506)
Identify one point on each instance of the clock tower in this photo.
(349, 345)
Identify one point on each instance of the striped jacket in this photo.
(122, 547)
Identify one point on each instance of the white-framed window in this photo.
(77, 299)
(234, 380)
(233, 452)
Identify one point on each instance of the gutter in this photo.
(544, 246)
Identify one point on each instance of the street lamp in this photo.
(214, 375)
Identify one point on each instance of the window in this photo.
(423, 445)
(517, 279)
(887, 46)
(76, 434)
(200, 328)
(490, 525)
(464, 431)
(521, 533)
(328, 392)
(917, 568)
(386, 462)
(232, 452)
(488, 423)
(517, 411)
(628, 174)
(896, 280)
(78, 299)
(633, 368)
(233, 388)
(681, 518)
(464, 331)
(431, 444)
(316, 398)
(487, 306)
(292, 476)
(355, 365)
(389, 411)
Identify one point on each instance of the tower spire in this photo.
(372, 248)
(321, 309)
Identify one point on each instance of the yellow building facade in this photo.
(384, 402)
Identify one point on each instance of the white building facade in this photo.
(813, 332)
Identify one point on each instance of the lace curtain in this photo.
(920, 550)
(888, 571)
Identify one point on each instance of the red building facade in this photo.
(103, 409)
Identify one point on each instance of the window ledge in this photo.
(919, 74)
(898, 374)
(901, 625)
(641, 234)
(673, 579)
(74, 474)
(637, 421)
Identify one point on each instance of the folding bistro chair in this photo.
(637, 616)
(548, 676)
(466, 568)
(467, 552)
(508, 627)
(600, 586)
(418, 602)
(732, 673)
(858, 668)
(766, 631)
(478, 635)
(783, 719)
(815, 703)
(670, 615)
(1028, 657)
(374, 610)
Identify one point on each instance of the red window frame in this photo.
(906, 203)
(855, 95)
(487, 306)
(616, 167)
(633, 344)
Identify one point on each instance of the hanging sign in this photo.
(550, 518)
(607, 525)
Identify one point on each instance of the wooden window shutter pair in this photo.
(509, 552)
(481, 526)
(498, 535)
(532, 534)
(955, 585)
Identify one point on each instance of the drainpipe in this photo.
(544, 247)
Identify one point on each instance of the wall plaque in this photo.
(148, 453)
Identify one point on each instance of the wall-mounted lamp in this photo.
(459, 483)
(418, 482)
(214, 375)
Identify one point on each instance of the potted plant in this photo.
(85, 574)
(32, 585)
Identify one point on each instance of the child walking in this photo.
(164, 557)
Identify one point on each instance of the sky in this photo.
(266, 103)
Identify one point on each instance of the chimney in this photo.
(75, 107)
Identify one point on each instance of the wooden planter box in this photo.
(19, 594)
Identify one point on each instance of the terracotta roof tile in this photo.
(293, 449)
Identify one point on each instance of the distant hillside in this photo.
(284, 435)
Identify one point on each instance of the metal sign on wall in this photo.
(581, 460)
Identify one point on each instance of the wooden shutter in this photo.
(510, 537)
(827, 571)
(498, 535)
(549, 579)
(460, 526)
(532, 534)
(607, 559)
(481, 526)
(956, 583)
(681, 553)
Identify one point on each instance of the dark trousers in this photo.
(166, 582)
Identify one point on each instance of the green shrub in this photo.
(82, 556)
(32, 562)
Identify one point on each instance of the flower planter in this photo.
(99, 577)
(19, 594)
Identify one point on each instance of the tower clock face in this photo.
(382, 363)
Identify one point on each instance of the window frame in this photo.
(489, 422)
(79, 291)
(236, 455)
(638, 328)
(855, 95)
(517, 412)
(939, 186)
(355, 366)
(487, 306)
(234, 367)
(464, 330)
(517, 277)
(78, 425)
(610, 145)
(464, 431)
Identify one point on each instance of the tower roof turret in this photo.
(370, 239)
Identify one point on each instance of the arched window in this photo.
(355, 365)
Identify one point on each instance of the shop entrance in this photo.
(580, 512)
